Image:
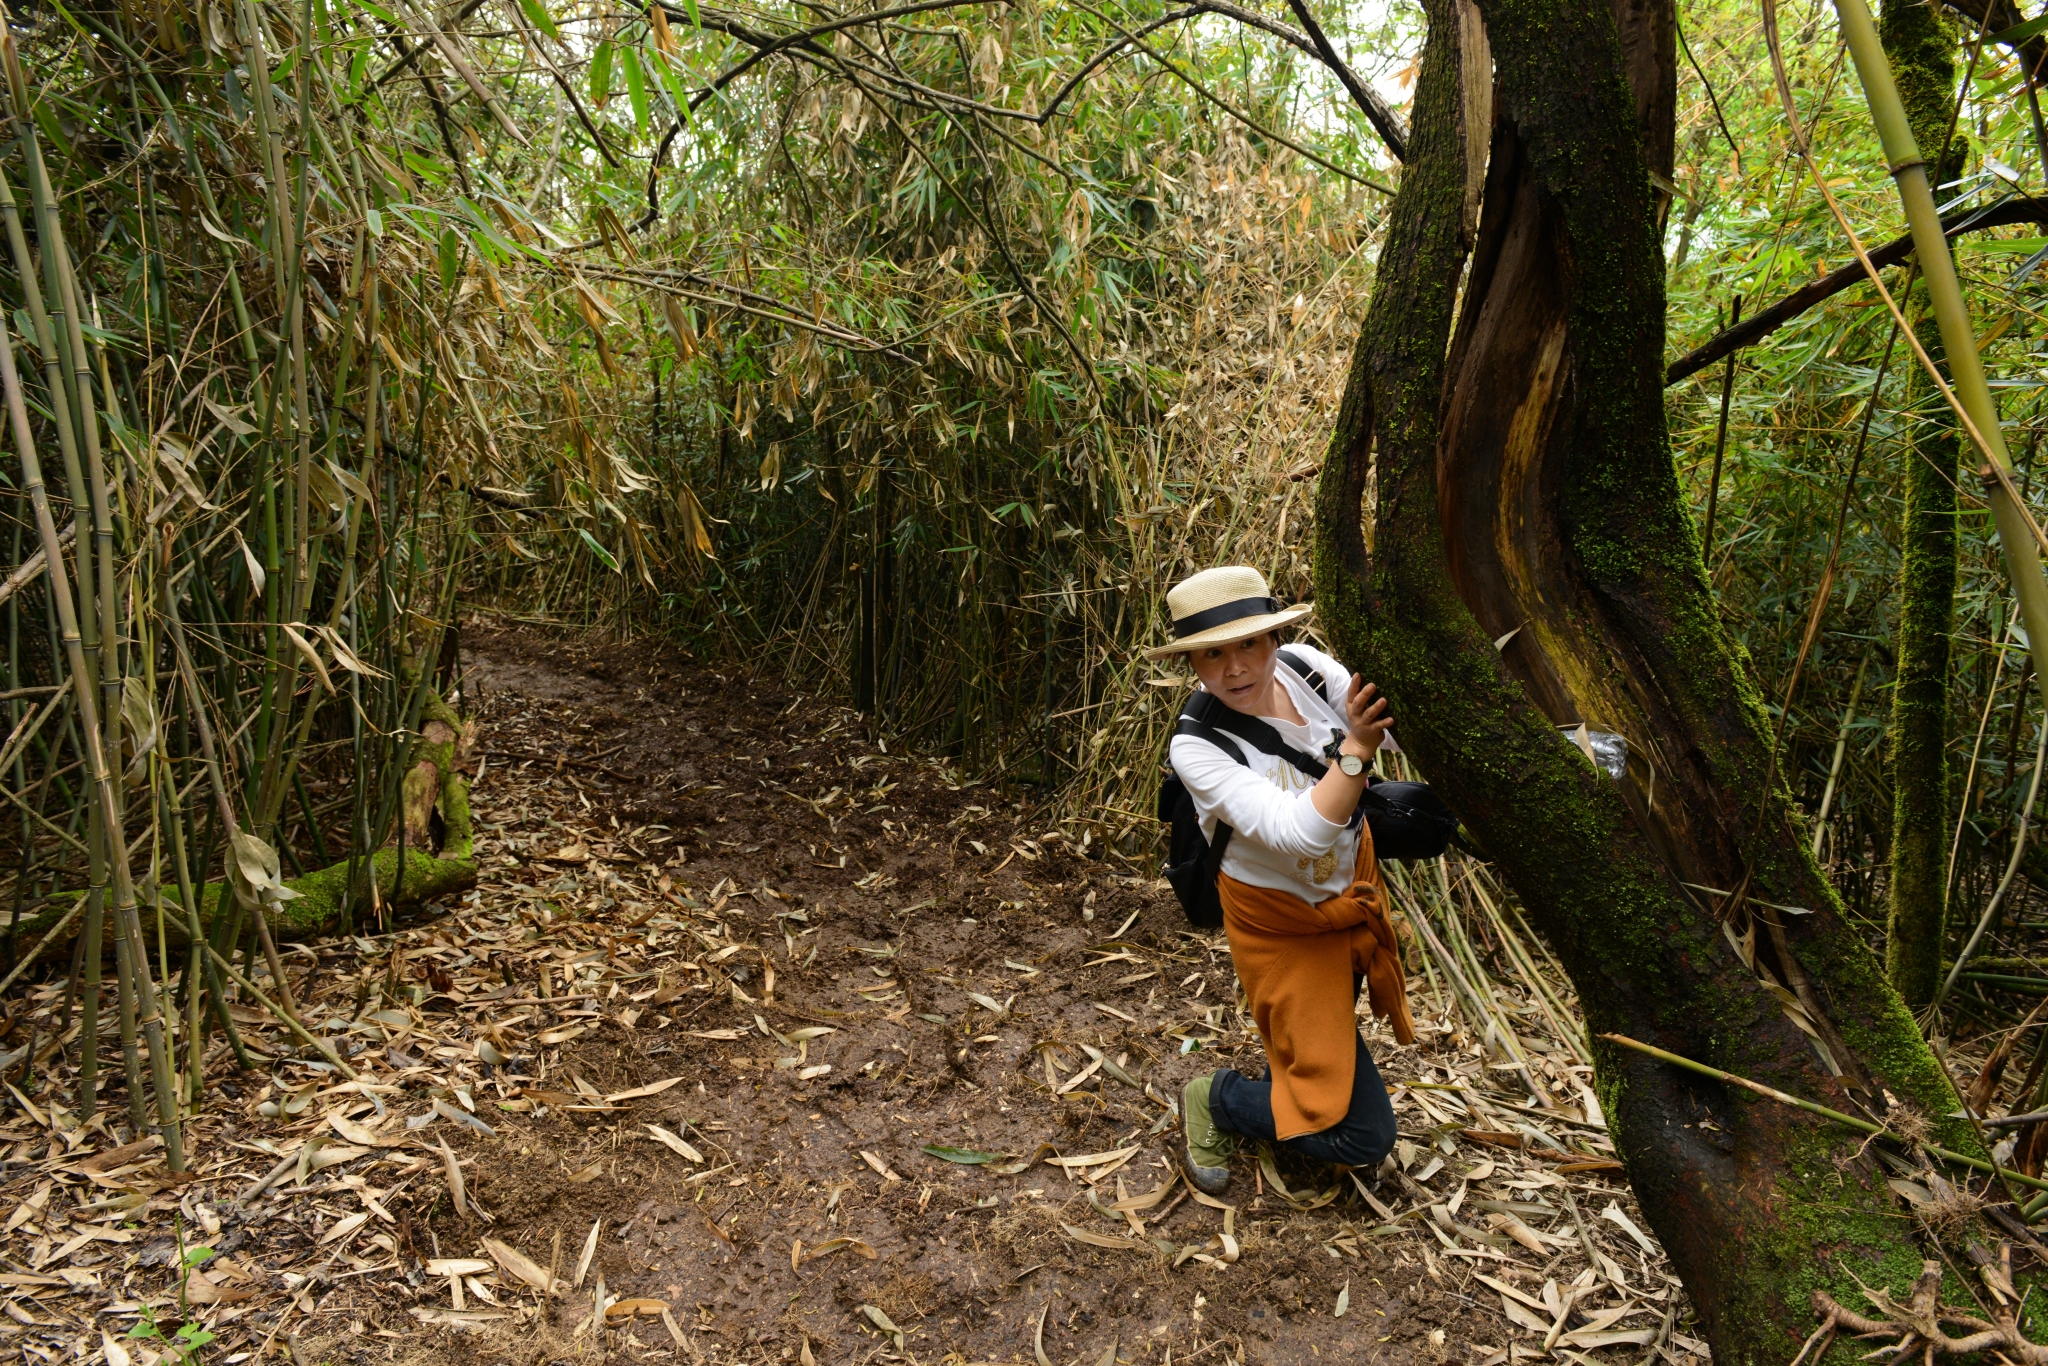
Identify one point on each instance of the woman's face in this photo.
(1241, 672)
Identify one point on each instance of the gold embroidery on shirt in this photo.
(1325, 866)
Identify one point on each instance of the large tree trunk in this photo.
(1920, 41)
(1522, 482)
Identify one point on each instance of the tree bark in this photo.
(1920, 41)
(1521, 478)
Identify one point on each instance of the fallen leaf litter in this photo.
(754, 993)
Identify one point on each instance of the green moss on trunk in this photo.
(1921, 45)
(317, 908)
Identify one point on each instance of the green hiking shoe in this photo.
(1209, 1148)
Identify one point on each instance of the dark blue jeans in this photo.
(1360, 1139)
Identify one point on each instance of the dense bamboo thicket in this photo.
(888, 354)
(907, 355)
(1827, 422)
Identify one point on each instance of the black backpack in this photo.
(1407, 820)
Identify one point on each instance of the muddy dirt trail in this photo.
(806, 1051)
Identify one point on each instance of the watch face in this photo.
(1352, 765)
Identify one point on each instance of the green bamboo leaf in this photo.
(966, 1157)
(597, 549)
(695, 18)
(601, 72)
(636, 86)
(542, 20)
(451, 258)
(665, 67)
(2020, 33)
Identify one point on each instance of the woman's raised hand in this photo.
(1366, 712)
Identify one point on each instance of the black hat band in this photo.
(1209, 617)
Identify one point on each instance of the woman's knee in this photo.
(1364, 1140)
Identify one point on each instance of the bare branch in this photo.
(804, 42)
(1754, 329)
(1384, 121)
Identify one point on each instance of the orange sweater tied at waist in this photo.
(1298, 963)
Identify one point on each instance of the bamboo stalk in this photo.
(102, 780)
(1861, 1125)
(291, 1023)
(2017, 532)
(1827, 796)
(2012, 868)
(55, 935)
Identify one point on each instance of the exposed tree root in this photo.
(1919, 1321)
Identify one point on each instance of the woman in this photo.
(1303, 905)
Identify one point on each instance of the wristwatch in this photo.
(1351, 765)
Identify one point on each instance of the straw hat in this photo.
(1224, 604)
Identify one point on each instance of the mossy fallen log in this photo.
(315, 911)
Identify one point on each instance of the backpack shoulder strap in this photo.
(1205, 716)
(1309, 673)
(1199, 718)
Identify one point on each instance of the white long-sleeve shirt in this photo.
(1280, 840)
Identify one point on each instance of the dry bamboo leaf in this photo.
(1106, 1240)
(1522, 1318)
(332, 1155)
(518, 1265)
(458, 1191)
(463, 1117)
(628, 1308)
(465, 1320)
(1071, 1082)
(651, 1089)
(344, 1228)
(1511, 1293)
(1634, 1337)
(589, 1251)
(1514, 1228)
(885, 1324)
(113, 1157)
(1149, 1199)
(674, 1144)
(362, 1134)
(201, 1288)
(458, 1266)
(1094, 1159)
(881, 1167)
(1022, 1164)
(1613, 1215)
(832, 1245)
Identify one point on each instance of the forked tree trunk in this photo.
(1522, 482)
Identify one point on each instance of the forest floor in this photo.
(782, 1047)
